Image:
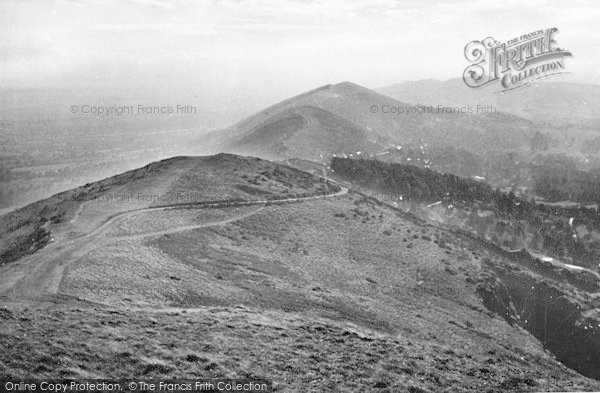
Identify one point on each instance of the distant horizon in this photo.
(268, 49)
(557, 80)
(213, 115)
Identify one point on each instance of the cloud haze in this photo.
(269, 48)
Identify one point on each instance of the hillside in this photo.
(343, 113)
(258, 270)
(564, 134)
(348, 120)
(176, 181)
(563, 232)
(526, 232)
(308, 132)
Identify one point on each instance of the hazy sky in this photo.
(270, 48)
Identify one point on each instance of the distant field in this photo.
(40, 166)
(45, 149)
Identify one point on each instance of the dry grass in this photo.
(299, 353)
(338, 294)
(313, 270)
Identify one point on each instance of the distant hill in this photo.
(348, 120)
(306, 131)
(340, 118)
(556, 103)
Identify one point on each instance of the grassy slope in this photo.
(178, 180)
(335, 293)
(326, 295)
(305, 131)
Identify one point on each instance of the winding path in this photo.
(41, 273)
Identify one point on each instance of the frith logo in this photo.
(516, 62)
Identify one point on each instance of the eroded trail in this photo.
(41, 273)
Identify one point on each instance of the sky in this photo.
(269, 49)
